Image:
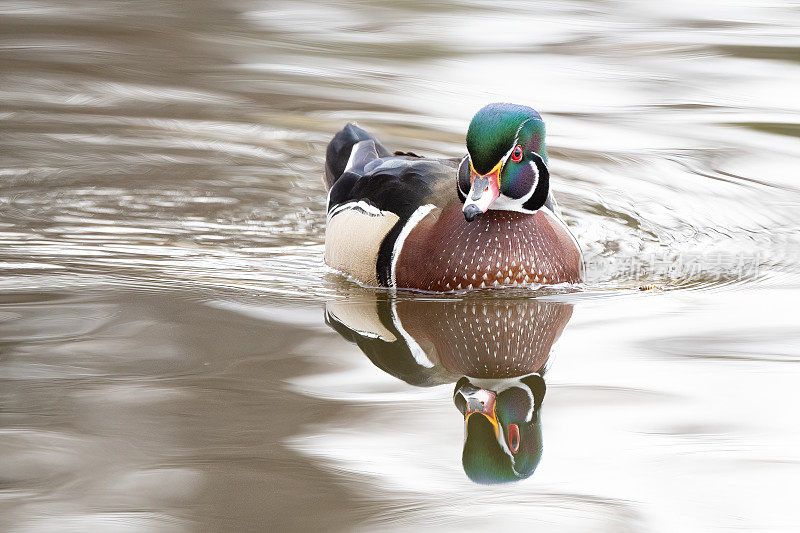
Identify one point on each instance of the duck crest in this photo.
(492, 130)
(445, 253)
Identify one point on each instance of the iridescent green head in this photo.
(506, 167)
(502, 431)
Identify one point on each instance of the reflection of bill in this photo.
(495, 349)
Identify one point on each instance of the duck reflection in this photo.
(502, 436)
(495, 350)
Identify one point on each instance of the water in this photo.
(167, 355)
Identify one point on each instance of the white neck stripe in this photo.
(415, 218)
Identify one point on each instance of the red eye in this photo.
(516, 155)
(513, 437)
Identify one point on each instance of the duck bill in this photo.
(480, 402)
(484, 191)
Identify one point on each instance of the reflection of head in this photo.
(503, 436)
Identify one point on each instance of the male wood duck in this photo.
(488, 219)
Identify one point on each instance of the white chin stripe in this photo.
(504, 203)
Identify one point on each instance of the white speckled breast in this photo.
(444, 252)
(489, 339)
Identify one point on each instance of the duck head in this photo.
(502, 433)
(506, 167)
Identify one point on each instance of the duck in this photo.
(487, 219)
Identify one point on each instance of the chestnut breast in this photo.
(444, 252)
(491, 338)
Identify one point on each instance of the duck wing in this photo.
(341, 150)
(358, 168)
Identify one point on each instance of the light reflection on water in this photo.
(164, 357)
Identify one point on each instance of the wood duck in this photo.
(485, 220)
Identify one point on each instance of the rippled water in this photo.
(175, 356)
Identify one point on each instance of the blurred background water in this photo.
(165, 364)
